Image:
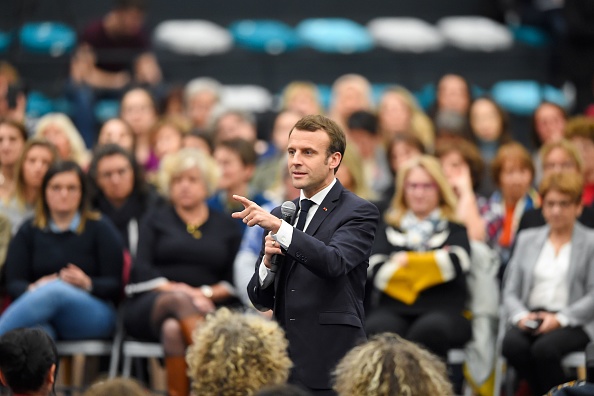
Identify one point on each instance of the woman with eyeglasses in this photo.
(419, 262)
(64, 266)
(547, 295)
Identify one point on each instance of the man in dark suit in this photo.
(317, 292)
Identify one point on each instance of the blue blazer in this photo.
(317, 295)
(519, 275)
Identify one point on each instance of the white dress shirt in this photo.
(284, 236)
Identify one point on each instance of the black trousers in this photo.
(438, 331)
(538, 358)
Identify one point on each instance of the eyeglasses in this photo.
(561, 165)
(420, 186)
(109, 174)
(57, 188)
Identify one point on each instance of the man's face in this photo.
(310, 166)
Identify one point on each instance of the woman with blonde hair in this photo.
(237, 354)
(13, 136)
(419, 262)
(184, 262)
(59, 129)
(302, 97)
(399, 112)
(388, 365)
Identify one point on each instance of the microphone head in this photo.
(288, 209)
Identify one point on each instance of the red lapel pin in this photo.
(324, 209)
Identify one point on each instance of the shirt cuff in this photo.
(284, 236)
(266, 276)
(562, 319)
(517, 317)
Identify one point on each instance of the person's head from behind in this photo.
(316, 147)
(421, 188)
(117, 131)
(388, 365)
(117, 387)
(115, 174)
(363, 132)
(559, 157)
(513, 171)
(561, 200)
(234, 351)
(28, 361)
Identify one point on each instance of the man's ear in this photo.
(335, 159)
(51, 375)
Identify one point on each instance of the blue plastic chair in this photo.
(49, 38)
(335, 35)
(270, 36)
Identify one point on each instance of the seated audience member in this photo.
(547, 293)
(236, 159)
(267, 168)
(513, 173)
(453, 95)
(489, 131)
(237, 354)
(419, 262)
(58, 129)
(12, 141)
(117, 387)
(303, 98)
(28, 362)
(117, 131)
(388, 365)
(238, 124)
(37, 156)
(351, 174)
(114, 53)
(167, 136)
(548, 126)
(560, 156)
(184, 262)
(463, 168)
(119, 191)
(139, 110)
(399, 113)
(580, 131)
(66, 262)
(201, 96)
(350, 93)
(363, 131)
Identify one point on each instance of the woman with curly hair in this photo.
(237, 354)
(388, 365)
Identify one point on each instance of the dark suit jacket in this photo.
(317, 295)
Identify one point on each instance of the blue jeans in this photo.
(64, 311)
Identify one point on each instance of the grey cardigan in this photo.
(580, 275)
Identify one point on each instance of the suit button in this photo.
(292, 319)
(292, 290)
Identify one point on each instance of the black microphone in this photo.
(288, 210)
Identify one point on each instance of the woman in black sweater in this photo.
(184, 262)
(419, 262)
(64, 266)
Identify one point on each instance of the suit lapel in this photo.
(532, 255)
(576, 257)
(327, 206)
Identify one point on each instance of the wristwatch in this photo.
(207, 291)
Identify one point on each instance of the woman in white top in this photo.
(548, 289)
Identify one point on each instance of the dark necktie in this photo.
(305, 205)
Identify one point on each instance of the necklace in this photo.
(194, 229)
